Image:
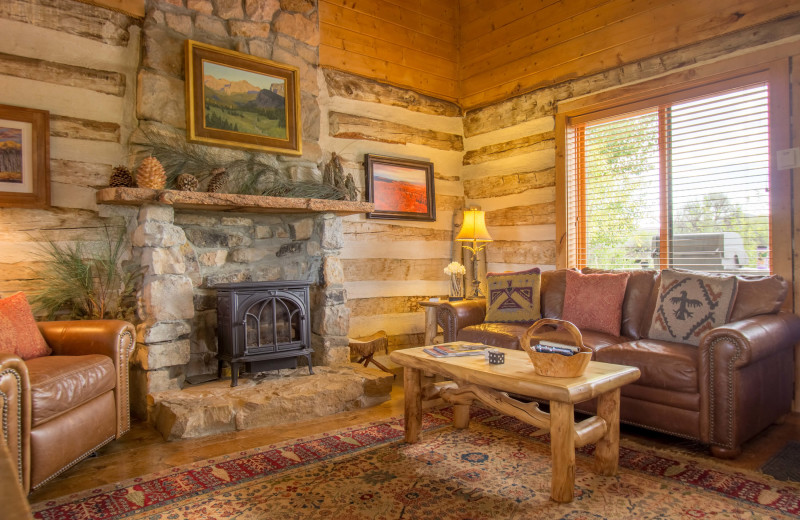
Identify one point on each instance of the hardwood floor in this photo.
(142, 450)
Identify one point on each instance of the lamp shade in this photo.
(474, 227)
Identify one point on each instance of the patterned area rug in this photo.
(498, 468)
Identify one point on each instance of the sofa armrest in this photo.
(113, 338)
(15, 394)
(755, 338)
(454, 316)
(746, 370)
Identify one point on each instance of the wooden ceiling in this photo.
(477, 52)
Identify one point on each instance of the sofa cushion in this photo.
(663, 364)
(594, 301)
(554, 285)
(513, 297)
(503, 335)
(637, 297)
(691, 304)
(758, 295)
(18, 331)
(61, 383)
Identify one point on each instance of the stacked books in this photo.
(456, 349)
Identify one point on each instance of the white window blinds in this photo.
(680, 184)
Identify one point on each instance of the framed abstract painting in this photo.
(241, 101)
(24, 157)
(401, 189)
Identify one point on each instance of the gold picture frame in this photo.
(241, 101)
(24, 157)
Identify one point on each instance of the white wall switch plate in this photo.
(789, 158)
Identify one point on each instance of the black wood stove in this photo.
(263, 325)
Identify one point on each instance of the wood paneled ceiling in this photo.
(477, 52)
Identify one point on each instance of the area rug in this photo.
(785, 465)
(497, 468)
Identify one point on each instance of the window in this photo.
(680, 180)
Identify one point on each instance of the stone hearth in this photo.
(267, 399)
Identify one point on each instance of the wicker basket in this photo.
(556, 365)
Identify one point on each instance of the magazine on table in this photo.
(456, 349)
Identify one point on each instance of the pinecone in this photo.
(121, 177)
(218, 180)
(151, 174)
(186, 182)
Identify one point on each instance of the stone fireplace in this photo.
(189, 247)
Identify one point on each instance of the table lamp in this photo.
(474, 230)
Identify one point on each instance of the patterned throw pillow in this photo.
(18, 331)
(690, 304)
(594, 301)
(513, 297)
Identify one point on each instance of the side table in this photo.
(430, 320)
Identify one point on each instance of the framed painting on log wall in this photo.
(24, 157)
(401, 189)
(241, 101)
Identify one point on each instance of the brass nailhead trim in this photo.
(712, 400)
(77, 460)
(448, 323)
(124, 413)
(18, 378)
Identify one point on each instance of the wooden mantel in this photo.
(229, 202)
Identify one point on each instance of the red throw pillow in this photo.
(594, 301)
(18, 331)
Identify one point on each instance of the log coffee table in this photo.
(473, 378)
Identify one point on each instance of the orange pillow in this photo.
(18, 331)
(594, 301)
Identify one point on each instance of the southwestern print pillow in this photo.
(691, 304)
(513, 297)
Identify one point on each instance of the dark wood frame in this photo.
(425, 168)
(39, 169)
(196, 54)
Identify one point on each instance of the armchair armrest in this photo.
(745, 376)
(454, 316)
(113, 338)
(15, 395)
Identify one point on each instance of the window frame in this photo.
(674, 88)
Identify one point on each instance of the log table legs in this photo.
(413, 403)
(606, 453)
(562, 447)
(565, 434)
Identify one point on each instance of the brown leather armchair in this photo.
(59, 409)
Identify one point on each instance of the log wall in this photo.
(78, 62)
(390, 265)
(511, 47)
(408, 43)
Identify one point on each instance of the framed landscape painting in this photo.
(24, 157)
(401, 189)
(241, 101)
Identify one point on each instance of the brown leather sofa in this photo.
(736, 383)
(59, 409)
